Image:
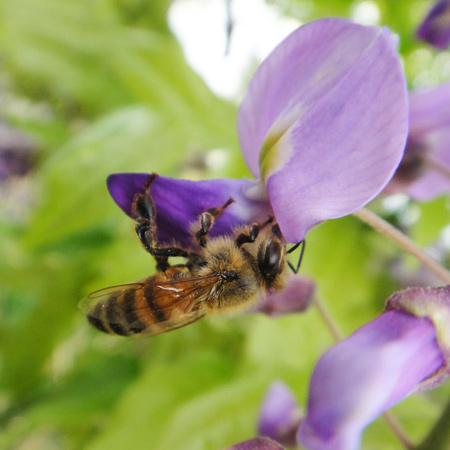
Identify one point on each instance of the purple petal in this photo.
(428, 109)
(435, 29)
(432, 303)
(424, 171)
(260, 443)
(16, 152)
(430, 128)
(294, 298)
(435, 179)
(325, 117)
(364, 375)
(280, 415)
(179, 203)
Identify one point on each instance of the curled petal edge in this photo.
(434, 304)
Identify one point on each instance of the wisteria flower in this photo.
(405, 349)
(15, 153)
(322, 129)
(435, 29)
(424, 172)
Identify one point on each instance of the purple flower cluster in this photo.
(435, 29)
(424, 171)
(322, 129)
(403, 350)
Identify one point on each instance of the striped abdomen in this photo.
(154, 306)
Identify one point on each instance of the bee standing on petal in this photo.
(226, 274)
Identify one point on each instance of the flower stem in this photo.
(439, 436)
(328, 319)
(403, 241)
(395, 427)
(338, 336)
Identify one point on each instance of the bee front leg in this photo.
(206, 221)
(253, 232)
(144, 212)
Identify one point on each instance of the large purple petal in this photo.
(325, 118)
(435, 29)
(364, 375)
(179, 203)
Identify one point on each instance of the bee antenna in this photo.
(300, 258)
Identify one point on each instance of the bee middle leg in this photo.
(206, 221)
(144, 213)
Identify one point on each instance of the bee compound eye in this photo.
(270, 258)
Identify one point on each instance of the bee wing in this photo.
(149, 307)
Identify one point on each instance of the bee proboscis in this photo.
(226, 274)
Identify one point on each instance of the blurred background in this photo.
(89, 88)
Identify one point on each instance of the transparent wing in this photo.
(150, 307)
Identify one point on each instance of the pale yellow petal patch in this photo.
(276, 151)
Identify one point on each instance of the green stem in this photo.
(403, 241)
(439, 436)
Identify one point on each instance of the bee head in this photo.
(271, 260)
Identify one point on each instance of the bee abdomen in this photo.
(153, 305)
(114, 316)
(96, 321)
(117, 315)
(135, 326)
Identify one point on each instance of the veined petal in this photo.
(179, 203)
(432, 303)
(364, 375)
(325, 118)
(435, 29)
(280, 415)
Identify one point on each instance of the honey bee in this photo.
(227, 274)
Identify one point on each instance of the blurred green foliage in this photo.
(103, 86)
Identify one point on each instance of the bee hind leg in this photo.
(206, 222)
(144, 213)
